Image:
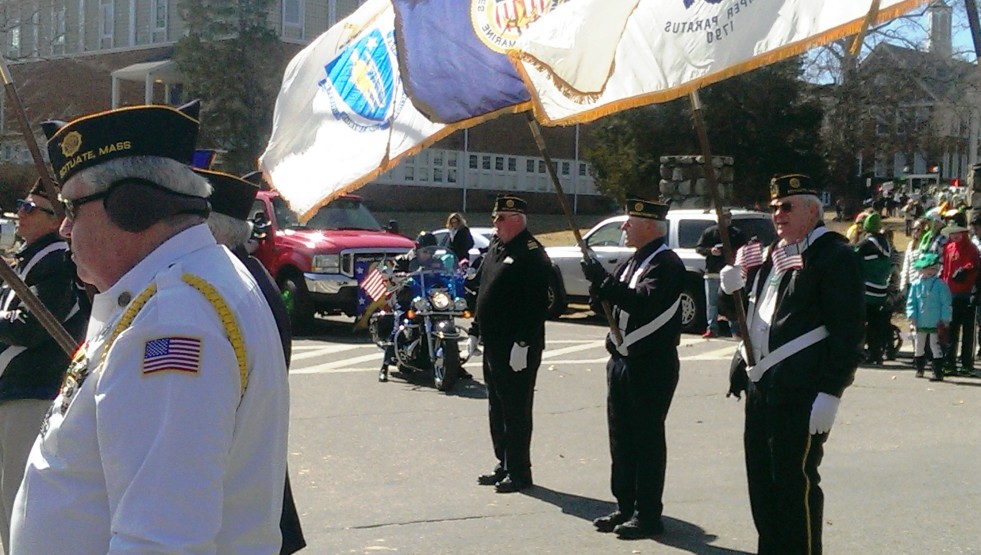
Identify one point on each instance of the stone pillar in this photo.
(683, 180)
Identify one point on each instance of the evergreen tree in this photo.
(764, 119)
(234, 63)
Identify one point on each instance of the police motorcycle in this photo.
(417, 329)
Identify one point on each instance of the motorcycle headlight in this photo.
(326, 264)
(420, 304)
(460, 305)
(441, 300)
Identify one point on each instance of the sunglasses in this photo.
(28, 206)
(71, 205)
(785, 207)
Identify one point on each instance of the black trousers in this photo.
(878, 332)
(782, 460)
(640, 393)
(962, 331)
(510, 397)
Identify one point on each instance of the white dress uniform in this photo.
(169, 445)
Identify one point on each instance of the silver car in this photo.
(685, 227)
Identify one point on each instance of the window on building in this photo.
(105, 24)
(922, 118)
(410, 173)
(13, 42)
(902, 116)
(438, 174)
(451, 175)
(58, 29)
(566, 168)
(437, 158)
(512, 164)
(473, 161)
(293, 13)
(541, 166)
(499, 163)
(582, 169)
(451, 161)
(530, 166)
(485, 162)
(160, 15)
(423, 174)
(882, 126)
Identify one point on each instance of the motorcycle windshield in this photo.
(436, 268)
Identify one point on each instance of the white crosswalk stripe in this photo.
(339, 358)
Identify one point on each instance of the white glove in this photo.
(519, 357)
(731, 279)
(472, 348)
(823, 413)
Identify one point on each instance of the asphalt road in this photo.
(391, 468)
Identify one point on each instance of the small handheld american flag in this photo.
(372, 284)
(749, 256)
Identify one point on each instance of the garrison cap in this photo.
(509, 203)
(232, 196)
(646, 209)
(150, 130)
(791, 184)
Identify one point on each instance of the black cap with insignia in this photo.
(791, 184)
(646, 209)
(150, 130)
(232, 196)
(509, 203)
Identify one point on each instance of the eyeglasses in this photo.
(785, 206)
(71, 205)
(29, 206)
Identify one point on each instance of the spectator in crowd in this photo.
(909, 274)
(710, 246)
(876, 254)
(928, 309)
(461, 241)
(960, 266)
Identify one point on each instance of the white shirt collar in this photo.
(107, 304)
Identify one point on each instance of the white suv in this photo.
(685, 227)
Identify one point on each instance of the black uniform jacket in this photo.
(512, 299)
(829, 290)
(657, 289)
(35, 363)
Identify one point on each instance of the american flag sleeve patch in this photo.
(181, 354)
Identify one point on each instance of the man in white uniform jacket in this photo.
(169, 434)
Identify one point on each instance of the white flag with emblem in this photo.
(342, 116)
(589, 58)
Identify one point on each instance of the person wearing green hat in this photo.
(876, 253)
(928, 309)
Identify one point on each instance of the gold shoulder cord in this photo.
(213, 297)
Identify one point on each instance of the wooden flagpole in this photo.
(7, 274)
(536, 132)
(713, 187)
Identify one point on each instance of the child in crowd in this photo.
(928, 309)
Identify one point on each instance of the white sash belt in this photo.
(784, 351)
(648, 328)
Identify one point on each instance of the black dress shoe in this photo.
(607, 523)
(491, 479)
(511, 485)
(634, 529)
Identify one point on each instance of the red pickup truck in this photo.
(313, 263)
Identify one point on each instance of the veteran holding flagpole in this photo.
(806, 317)
(642, 373)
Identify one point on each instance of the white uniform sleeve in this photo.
(165, 439)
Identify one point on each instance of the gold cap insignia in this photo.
(71, 143)
(639, 206)
(794, 183)
(509, 203)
